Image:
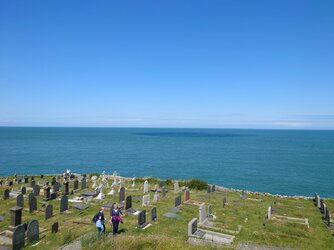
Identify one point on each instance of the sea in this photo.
(288, 162)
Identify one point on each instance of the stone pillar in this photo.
(15, 216)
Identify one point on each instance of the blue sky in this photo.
(223, 64)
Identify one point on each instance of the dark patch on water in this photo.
(191, 134)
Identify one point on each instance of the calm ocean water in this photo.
(277, 161)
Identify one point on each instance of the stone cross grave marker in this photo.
(146, 186)
(146, 199)
(33, 231)
(63, 203)
(18, 239)
(48, 211)
(153, 214)
(142, 219)
(6, 194)
(23, 190)
(32, 204)
(177, 201)
(128, 203)
(121, 194)
(54, 227)
(19, 200)
(15, 216)
(37, 190)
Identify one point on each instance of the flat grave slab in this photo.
(89, 194)
(171, 215)
(1, 218)
(175, 209)
(80, 206)
(203, 196)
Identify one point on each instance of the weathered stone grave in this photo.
(33, 231)
(48, 211)
(15, 216)
(66, 188)
(32, 183)
(19, 200)
(76, 185)
(186, 195)
(54, 227)
(146, 199)
(121, 194)
(37, 190)
(18, 239)
(32, 204)
(47, 195)
(63, 203)
(156, 197)
(142, 223)
(83, 183)
(6, 194)
(176, 187)
(153, 214)
(23, 190)
(146, 186)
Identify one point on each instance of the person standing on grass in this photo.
(100, 227)
(115, 218)
(100, 214)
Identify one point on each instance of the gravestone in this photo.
(32, 183)
(19, 200)
(48, 211)
(25, 179)
(269, 212)
(53, 181)
(202, 213)
(128, 203)
(224, 201)
(66, 187)
(322, 205)
(83, 183)
(213, 189)
(54, 227)
(42, 176)
(33, 231)
(56, 187)
(53, 196)
(176, 187)
(328, 219)
(18, 239)
(325, 211)
(121, 194)
(30, 195)
(47, 195)
(177, 201)
(163, 192)
(318, 201)
(161, 184)
(32, 204)
(153, 214)
(23, 190)
(32, 178)
(146, 186)
(142, 219)
(76, 185)
(63, 203)
(192, 227)
(209, 189)
(37, 190)
(6, 194)
(146, 200)
(186, 195)
(156, 197)
(209, 211)
(15, 216)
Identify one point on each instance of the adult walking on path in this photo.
(115, 218)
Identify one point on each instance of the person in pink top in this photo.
(115, 218)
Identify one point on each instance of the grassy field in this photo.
(167, 233)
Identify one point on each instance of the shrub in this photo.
(197, 184)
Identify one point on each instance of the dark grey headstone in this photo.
(32, 204)
(53, 196)
(30, 195)
(224, 201)
(25, 179)
(18, 237)
(178, 201)
(53, 181)
(19, 200)
(54, 227)
(209, 189)
(76, 185)
(154, 213)
(6, 194)
(33, 231)
(83, 183)
(23, 190)
(47, 194)
(37, 190)
(128, 203)
(194, 227)
(42, 176)
(48, 211)
(142, 219)
(63, 203)
(66, 187)
(15, 216)
(32, 183)
(121, 194)
(56, 186)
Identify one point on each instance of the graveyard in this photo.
(52, 211)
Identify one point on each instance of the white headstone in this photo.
(133, 182)
(176, 187)
(146, 200)
(155, 197)
(269, 212)
(202, 213)
(146, 186)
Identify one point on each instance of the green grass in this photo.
(167, 233)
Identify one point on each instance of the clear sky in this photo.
(224, 64)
